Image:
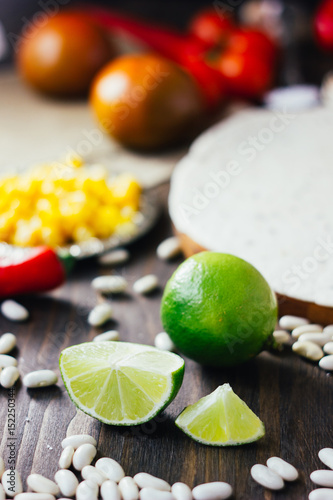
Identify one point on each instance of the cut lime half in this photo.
(221, 419)
(121, 383)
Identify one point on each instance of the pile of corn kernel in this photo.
(60, 203)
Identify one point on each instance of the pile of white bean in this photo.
(310, 341)
(323, 477)
(106, 479)
(277, 471)
(115, 284)
(9, 373)
(274, 474)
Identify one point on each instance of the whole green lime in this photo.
(218, 309)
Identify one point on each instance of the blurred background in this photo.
(14, 16)
(175, 12)
(127, 86)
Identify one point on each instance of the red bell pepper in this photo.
(29, 270)
(185, 50)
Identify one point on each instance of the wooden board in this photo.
(293, 397)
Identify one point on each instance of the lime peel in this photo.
(218, 309)
(121, 383)
(221, 419)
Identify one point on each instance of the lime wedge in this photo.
(121, 383)
(221, 419)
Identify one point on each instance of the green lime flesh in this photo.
(121, 383)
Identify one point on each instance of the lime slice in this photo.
(121, 383)
(221, 419)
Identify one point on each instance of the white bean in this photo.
(109, 284)
(40, 378)
(326, 363)
(181, 491)
(90, 472)
(34, 496)
(87, 490)
(281, 336)
(308, 350)
(326, 456)
(41, 484)
(107, 336)
(84, 455)
(100, 314)
(2, 467)
(322, 477)
(168, 248)
(112, 469)
(152, 494)
(212, 491)
(145, 480)
(163, 341)
(9, 376)
(11, 482)
(146, 284)
(67, 482)
(328, 348)
(14, 311)
(267, 477)
(287, 471)
(291, 322)
(328, 329)
(110, 491)
(114, 258)
(318, 338)
(7, 342)
(128, 489)
(6, 360)
(66, 457)
(321, 494)
(77, 439)
(310, 328)
(2, 493)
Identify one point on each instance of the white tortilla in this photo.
(269, 201)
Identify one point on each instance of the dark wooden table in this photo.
(291, 396)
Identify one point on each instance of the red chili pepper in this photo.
(182, 49)
(323, 25)
(29, 270)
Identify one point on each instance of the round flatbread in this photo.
(259, 185)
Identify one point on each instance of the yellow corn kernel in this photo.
(44, 205)
(74, 161)
(66, 183)
(47, 187)
(27, 232)
(9, 185)
(52, 236)
(96, 188)
(7, 224)
(57, 203)
(126, 191)
(105, 221)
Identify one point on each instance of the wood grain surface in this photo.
(293, 397)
